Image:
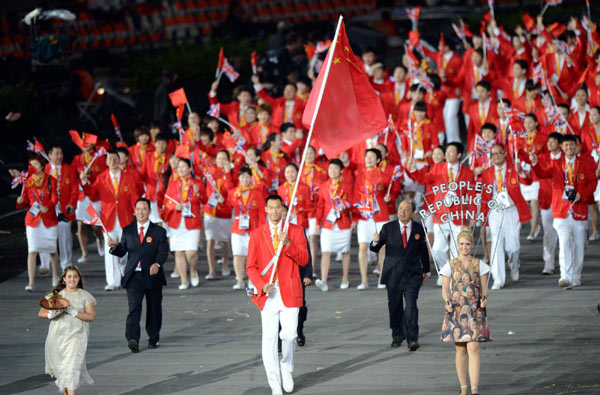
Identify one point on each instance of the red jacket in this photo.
(254, 206)
(589, 140)
(120, 205)
(475, 123)
(224, 183)
(231, 110)
(196, 196)
(260, 252)
(258, 134)
(81, 161)
(545, 193)
(511, 183)
(369, 184)
(278, 105)
(304, 205)
(152, 173)
(327, 194)
(137, 154)
(276, 164)
(584, 183)
(575, 123)
(67, 185)
(45, 195)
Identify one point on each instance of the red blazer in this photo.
(196, 197)
(576, 125)
(66, 187)
(538, 147)
(589, 139)
(567, 81)
(429, 136)
(136, 152)
(275, 165)
(545, 193)
(152, 174)
(224, 183)
(304, 205)
(313, 176)
(137, 176)
(255, 201)
(508, 92)
(258, 136)
(377, 183)
(585, 184)
(511, 182)
(437, 175)
(536, 108)
(260, 252)
(278, 105)
(388, 169)
(81, 161)
(231, 110)
(293, 150)
(48, 200)
(475, 120)
(324, 204)
(114, 206)
(452, 83)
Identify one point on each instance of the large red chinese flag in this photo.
(350, 110)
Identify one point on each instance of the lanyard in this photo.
(40, 199)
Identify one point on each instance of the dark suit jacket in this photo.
(307, 271)
(400, 262)
(154, 249)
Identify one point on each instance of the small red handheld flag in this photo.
(178, 97)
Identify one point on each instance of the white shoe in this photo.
(547, 271)
(344, 285)
(175, 275)
(563, 283)
(238, 286)
(376, 271)
(381, 286)
(339, 256)
(274, 392)
(184, 286)
(514, 275)
(483, 260)
(319, 283)
(43, 271)
(54, 284)
(362, 287)
(496, 286)
(209, 277)
(594, 237)
(530, 238)
(82, 259)
(109, 288)
(287, 381)
(218, 246)
(576, 283)
(324, 287)
(195, 281)
(29, 288)
(226, 273)
(439, 281)
(101, 251)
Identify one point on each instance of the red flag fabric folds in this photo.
(178, 97)
(350, 110)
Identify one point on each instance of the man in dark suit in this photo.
(405, 268)
(147, 249)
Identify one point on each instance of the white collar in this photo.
(145, 225)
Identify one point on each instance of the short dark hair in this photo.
(489, 126)
(285, 126)
(291, 164)
(273, 196)
(506, 102)
(569, 137)
(523, 63)
(531, 86)
(204, 131)
(114, 151)
(143, 199)
(459, 147)
(376, 152)
(245, 170)
(121, 150)
(556, 136)
(337, 162)
(532, 116)
(420, 106)
(485, 84)
(161, 137)
(53, 146)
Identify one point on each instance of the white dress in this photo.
(67, 342)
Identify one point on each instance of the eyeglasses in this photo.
(497, 153)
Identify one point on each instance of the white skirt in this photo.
(41, 238)
(597, 193)
(183, 239)
(366, 229)
(336, 239)
(530, 192)
(154, 213)
(81, 213)
(429, 223)
(218, 229)
(312, 227)
(239, 244)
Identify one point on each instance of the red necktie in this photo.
(404, 236)
(141, 234)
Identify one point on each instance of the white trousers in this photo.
(65, 247)
(451, 107)
(571, 240)
(504, 228)
(112, 263)
(550, 239)
(273, 313)
(444, 239)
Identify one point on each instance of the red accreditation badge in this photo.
(148, 239)
(417, 236)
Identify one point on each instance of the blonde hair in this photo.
(465, 232)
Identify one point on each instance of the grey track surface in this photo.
(210, 341)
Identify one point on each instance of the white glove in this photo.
(53, 314)
(71, 311)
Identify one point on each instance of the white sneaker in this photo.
(339, 256)
(362, 287)
(82, 259)
(175, 275)
(381, 286)
(29, 288)
(225, 273)
(220, 261)
(514, 275)
(547, 271)
(209, 277)
(109, 288)
(496, 286)
(563, 283)
(576, 283)
(376, 271)
(324, 287)
(54, 283)
(318, 283)
(238, 286)
(530, 238)
(184, 286)
(287, 381)
(344, 285)
(101, 251)
(195, 281)
(594, 237)
(439, 281)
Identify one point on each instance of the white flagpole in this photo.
(275, 259)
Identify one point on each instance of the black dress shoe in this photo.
(413, 346)
(133, 346)
(396, 341)
(301, 340)
(152, 344)
(278, 344)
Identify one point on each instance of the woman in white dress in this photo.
(68, 334)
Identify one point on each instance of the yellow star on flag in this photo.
(336, 60)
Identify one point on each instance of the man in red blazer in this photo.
(573, 183)
(287, 108)
(279, 301)
(483, 110)
(117, 192)
(505, 224)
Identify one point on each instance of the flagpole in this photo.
(310, 132)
